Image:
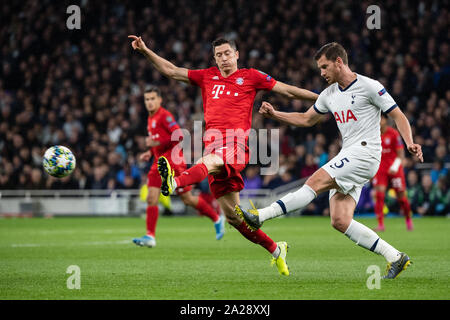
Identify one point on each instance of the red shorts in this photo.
(154, 179)
(396, 181)
(236, 157)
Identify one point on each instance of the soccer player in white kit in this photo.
(356, 103)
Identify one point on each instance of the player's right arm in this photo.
(164, 66)
(299, 119)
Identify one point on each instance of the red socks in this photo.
(206, 210)
(152, 218)
(258, 237)
(193, 175)
(405, 207)
(379, 204)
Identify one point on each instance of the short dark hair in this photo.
(221, 41)
(332, 51)
(150, 88)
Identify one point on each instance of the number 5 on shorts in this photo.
(338, 166)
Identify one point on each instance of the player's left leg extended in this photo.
(205, 210)
(341, 213)
(277, 249)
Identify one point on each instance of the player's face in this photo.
(328, 69)
(152, 101)
(226, 58)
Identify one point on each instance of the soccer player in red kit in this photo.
(161, 125)
(228, 96)
(391, 173)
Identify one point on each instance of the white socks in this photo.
(357, 232)
(368, 239)
(290, 202)
(277, 252)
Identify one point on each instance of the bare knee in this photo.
(153, 196)
(213, 163)
(152, 201)
(340, 223)
(321, 181)
(231, 217)
(189, 200)
(235, 220)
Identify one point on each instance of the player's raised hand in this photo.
(145, 156)
(137, 43)
(266, 109)
(149, 142)
(416, 150)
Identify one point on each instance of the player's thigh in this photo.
(153, 196)
(227, 204)
(380, 181)
(380, 188)
(213, 163)
(398, 182)
(321, 181)
(342, 207)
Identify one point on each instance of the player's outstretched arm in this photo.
(167, 68)
(404, 128)
(299, 119)
(294, 92)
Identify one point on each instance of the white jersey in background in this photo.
(357, 109)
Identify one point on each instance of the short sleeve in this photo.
(320, 106)
(262, 80)
(196, 76)
(381, 98)
(170, 122)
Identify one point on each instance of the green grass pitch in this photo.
(188, 263)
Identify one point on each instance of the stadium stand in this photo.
(83, 88)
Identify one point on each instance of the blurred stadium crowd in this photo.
(83, 88)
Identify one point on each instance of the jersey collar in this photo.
(342, 90)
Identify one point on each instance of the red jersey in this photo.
(228, 102)
(160, 127)
(391, 141)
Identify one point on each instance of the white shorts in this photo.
(352, 168)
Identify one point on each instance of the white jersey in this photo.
(357, 110)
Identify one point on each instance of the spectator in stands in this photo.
(440, 198)
(86, 91)
(284, 177)
(422, 200)
(310, 166)
(252, 178)
(438, 171)
(129, 177)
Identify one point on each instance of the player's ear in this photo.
(237, 55)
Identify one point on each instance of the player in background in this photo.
(161, 124)
(356, 103)
(228, 95)
(391, 173)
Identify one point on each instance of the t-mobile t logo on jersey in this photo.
(219, 89)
